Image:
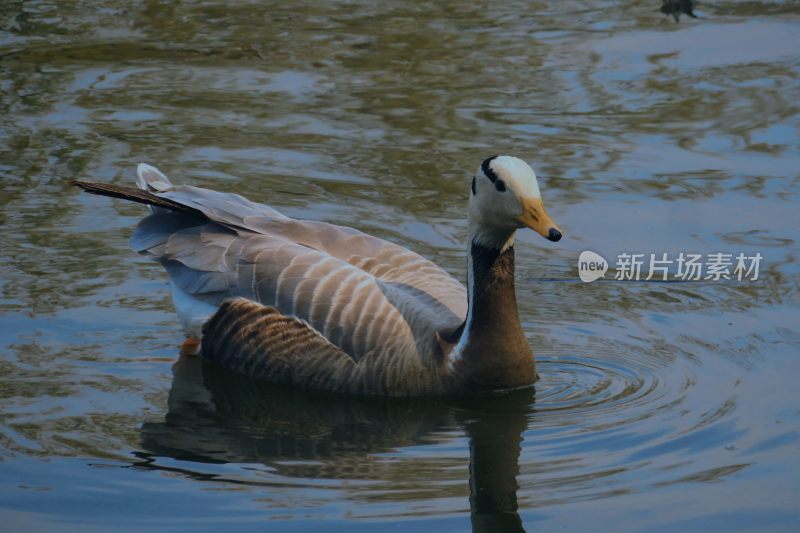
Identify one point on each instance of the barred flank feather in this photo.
(259, 341)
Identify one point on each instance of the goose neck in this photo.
(492, 351)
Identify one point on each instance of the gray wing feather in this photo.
(362, 293)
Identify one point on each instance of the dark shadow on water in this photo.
(676, 8)
(215, 416)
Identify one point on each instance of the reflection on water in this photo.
(661, 406)
(215, 416)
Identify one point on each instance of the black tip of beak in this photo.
(554, 235)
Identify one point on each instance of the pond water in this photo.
(662, 406)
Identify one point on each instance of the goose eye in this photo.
(500, 186)
(473, 185)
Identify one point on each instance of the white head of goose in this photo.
(323, 306)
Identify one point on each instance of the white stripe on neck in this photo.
(458, 351)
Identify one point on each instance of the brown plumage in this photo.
(261, 342)
(327, 307)
(500, 356)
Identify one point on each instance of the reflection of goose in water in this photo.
(216, 416)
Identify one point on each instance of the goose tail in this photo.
(150, 182)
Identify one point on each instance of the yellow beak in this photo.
(535, 217)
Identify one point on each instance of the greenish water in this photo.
(662, 406)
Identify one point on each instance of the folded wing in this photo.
(360, 292)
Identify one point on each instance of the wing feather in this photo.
(363, 293)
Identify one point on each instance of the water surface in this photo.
(662, 406)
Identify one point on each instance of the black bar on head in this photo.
(487, 170)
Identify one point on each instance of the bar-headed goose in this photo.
(323, 306)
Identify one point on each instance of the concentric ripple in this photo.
(612, 407)
(583, 386)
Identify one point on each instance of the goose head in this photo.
(504, 197)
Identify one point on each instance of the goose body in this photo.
(329, 307)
